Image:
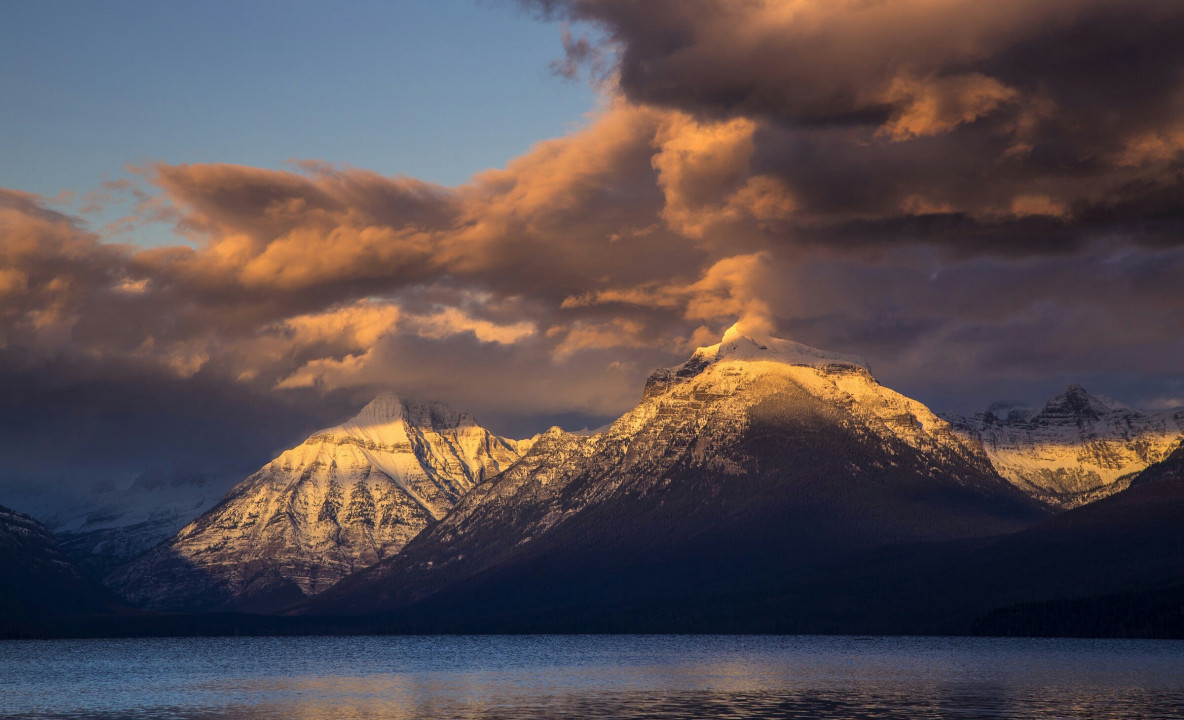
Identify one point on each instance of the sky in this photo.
(432, 90)
(223, 225)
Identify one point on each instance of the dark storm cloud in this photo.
(878, 112)
(849, 61)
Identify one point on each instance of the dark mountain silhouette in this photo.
(38, 582)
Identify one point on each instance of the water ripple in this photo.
(561, 677)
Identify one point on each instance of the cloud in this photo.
(584, 335)
(50, 269)
(453, 321)
(856, 109)
(851, 61)
(939, 104)
(360, 324)
(704, 171)
(292, 279)
(1040, 205)
(954, 190)
(356, 329)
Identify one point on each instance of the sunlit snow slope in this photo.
(1075, 450)
(345, 498)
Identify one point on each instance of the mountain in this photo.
(754, 456)
(1076, 449)
(1111, 568)
(1170, 468)
(105, 525)
(1114, 567)
(345, 498)
(38, 582)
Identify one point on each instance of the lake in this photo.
(590, 677)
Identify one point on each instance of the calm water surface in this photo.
(590, 677)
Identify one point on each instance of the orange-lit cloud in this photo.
(939, 104)
(453, 321)
(1039, 205)
(704, 170)
(732, 289)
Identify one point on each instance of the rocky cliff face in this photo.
(754, 455)
(344, 499)
(1170, 468)
(1076, 449)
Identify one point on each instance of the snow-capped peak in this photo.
(345, 498)
(386, 418)
(736, 346)
(385, 407)
(1075, 402)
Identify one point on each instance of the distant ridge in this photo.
(1076, 449)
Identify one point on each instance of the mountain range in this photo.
(751, 457)
(1076, 449)
(104, 525)
(762, 485)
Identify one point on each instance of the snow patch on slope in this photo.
(1078, 448)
